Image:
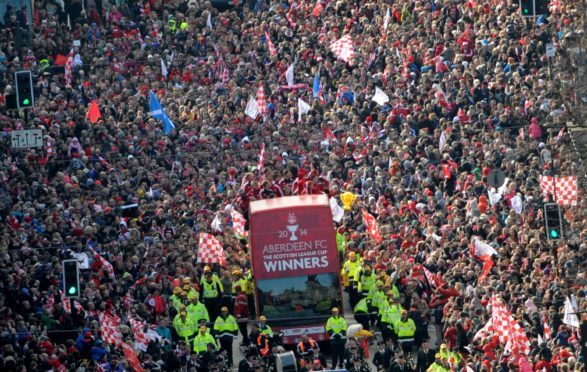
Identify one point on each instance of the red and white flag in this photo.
(546, 327)
(105, 266)
(485, 332)
(564, 190)
(272, 49)
(261, 165)
(138, 328)
(261, 101)
(507, 329)
(482, 249)
(238, 223)
(329, 135)
(430, 278)
(69, 68)
(132, 358)
(343, 48)
(371, 225)
(50, 153)
(561, 134)
(110, 328)
(210, 250)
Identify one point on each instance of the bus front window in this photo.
(297, 300)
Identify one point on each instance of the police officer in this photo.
(175, 299)
(391, 314)
(361, 312)
(184, 326)
(202, 339)
(196, 310)
(226, 330)
(405, 328)
(365, 281)
(336, 327)
(211, 292)
(349, 273)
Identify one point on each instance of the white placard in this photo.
(22, 139)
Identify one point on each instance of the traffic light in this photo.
(542, 7)
(71, 278)
(25, 96)
(527, 8)
(553, 221)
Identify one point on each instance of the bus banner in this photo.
(294, 242)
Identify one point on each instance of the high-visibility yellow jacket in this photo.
(184, 328)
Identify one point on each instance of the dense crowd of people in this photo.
(470, 75)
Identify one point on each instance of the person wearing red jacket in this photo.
(241, 313)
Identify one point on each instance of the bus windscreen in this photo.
(296, 300)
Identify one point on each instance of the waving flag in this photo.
(564, 190)
(482, 249)
(261, 101)
(209, 21)
(164, 71)
(210, 250)
(261, 165)
(138, 328)
(316, 85)
(105, 266)
(303, 108)
(337, 211)
(110, 328)
(93, 113)
(69, 68)
(216, 224)
(252, 109)
(371, 225)
(270, 45)
(343, 48)
(289, 75)
(157, 112)
(380, 97)
(238, 223)
(132, 358)
(386, 22)
(507, 329)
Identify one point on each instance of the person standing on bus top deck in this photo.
(211, 292)
(196, 310)
(336, 327)
(225, 330)
(264, 327)
(366, 281)
(306, 345)
(349, 274)
(241, 312)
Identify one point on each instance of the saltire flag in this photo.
(261, 101)
(69, 68)
(343, 48)
(157, 112)
(93, 113)
(272, 49)
(238, 223)
(164, 71)
(371, 225)
(210, 250)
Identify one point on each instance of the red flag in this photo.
(94, 112)
(132, 358)
(272, 49)
(329, 135)
(105, 266)
(508, 330)
(371, 225)
(547, 331)
(318, 9)
(487, 265)
(561, 134)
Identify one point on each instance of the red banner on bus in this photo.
(293, 241)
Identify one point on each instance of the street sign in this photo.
(496, 178)
(27, 138)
